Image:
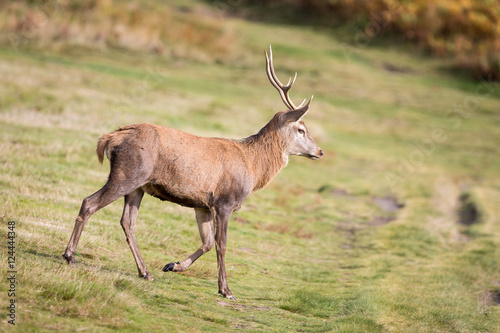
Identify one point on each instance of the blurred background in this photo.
(464, 31)
(396, 229)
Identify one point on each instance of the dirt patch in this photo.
(468, 211)
(388, 204)
(349, 232)
(362, 212)
(491, 298)
(495, 297)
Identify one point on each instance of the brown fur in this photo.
(212, 166)
(212, 175)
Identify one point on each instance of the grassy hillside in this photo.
(396, 229)
(465, 32)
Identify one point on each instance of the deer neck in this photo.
(266, 154)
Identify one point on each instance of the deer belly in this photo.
(162, 193)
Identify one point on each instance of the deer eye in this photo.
(301, 131)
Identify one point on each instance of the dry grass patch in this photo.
(137, 26)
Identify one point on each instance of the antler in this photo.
(282, 89)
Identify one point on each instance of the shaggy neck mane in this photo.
(266, 153)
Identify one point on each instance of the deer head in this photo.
(292, 128)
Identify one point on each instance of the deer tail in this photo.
(108, 141)
(102, 145)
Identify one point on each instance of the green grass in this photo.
(313, 251)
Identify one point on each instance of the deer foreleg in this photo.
(221, 223)
(204, 219)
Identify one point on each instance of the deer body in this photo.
(212, 175)
(191, 170)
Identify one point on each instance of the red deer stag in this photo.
(212, 175)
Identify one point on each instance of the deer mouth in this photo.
(314, 157)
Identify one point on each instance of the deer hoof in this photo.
(69, 258)
(146, 276)
(170, 266)
(226, 296)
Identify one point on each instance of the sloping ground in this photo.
(370, 238)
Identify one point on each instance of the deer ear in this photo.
(294, 115)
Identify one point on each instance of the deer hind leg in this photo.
(130, 211)
(204, 219)
(110, 192)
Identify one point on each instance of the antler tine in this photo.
(293, 81)
(282, 89)
(309, 102)
(270, 69)
(289, 85)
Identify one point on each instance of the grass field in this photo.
(396, 229)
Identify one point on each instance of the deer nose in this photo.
(321, 153)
